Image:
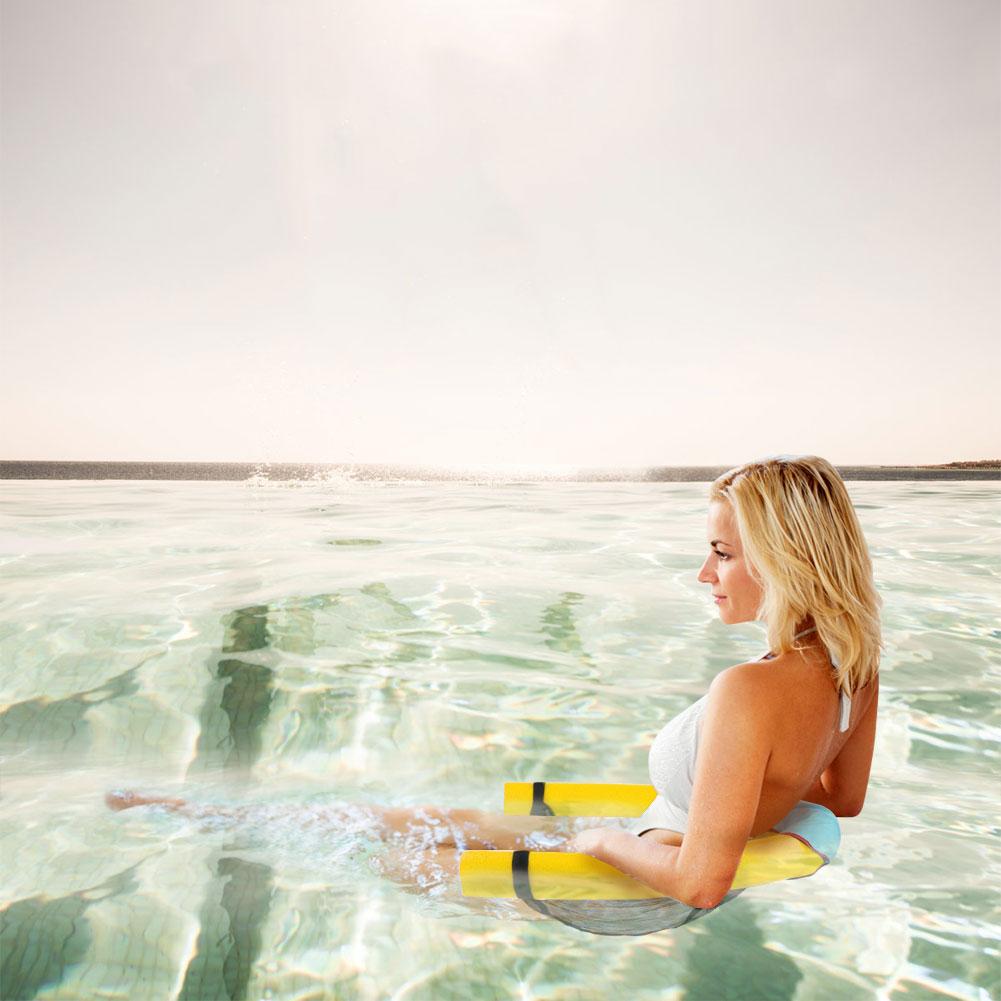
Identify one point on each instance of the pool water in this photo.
(286, 656)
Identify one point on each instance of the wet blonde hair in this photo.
(804, 544)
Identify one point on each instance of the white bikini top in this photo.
(674, 750)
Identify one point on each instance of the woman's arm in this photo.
(823, 795)
(734, 748)
(653, 863)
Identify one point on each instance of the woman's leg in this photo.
(414, 865)
(475, 829)
(126, 799)
(436, 872)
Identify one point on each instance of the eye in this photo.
(722, 556)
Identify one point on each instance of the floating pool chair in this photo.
(803, 842)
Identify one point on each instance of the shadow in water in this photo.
(229, 940)
(240, 698)
(42, 937)
(60, 722)
(238, 701)
(729, 960)
(559, 626)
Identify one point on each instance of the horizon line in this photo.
(201, 470)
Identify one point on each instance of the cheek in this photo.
(741, 581)
(749, 585)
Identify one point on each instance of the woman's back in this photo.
(797, 696)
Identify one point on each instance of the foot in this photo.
(125, 799)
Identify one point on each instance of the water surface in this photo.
(301, 651)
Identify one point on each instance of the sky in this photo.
(529, 232)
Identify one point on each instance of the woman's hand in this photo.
(589, 842)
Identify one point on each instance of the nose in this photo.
(707, 575)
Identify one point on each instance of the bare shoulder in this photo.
(733, 678)
(744, 689)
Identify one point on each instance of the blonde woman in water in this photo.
(798, 723)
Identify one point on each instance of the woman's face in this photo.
(736, 593)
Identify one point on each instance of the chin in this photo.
(730, 618)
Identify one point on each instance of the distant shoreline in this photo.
(16, 469)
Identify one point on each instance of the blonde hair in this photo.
(804, 543)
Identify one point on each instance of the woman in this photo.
(798, 724)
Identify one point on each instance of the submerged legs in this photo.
(432, 825)
(425, 842)
(475, 829)
(126, 799)
(435, 872)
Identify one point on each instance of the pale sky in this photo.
(614, 233)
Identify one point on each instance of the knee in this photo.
(417, 818)
(463, 816)
(449, 816)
